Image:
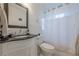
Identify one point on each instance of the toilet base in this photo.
(44, 53)
(54, 53)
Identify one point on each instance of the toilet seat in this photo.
(47, 47)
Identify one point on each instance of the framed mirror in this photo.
(17, 15)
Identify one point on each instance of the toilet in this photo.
(47, 49)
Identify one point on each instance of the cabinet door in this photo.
(33, 47)
(20, 48)
(0, 49)
(16, 47)
(20, 52)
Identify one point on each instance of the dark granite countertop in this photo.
(18, 39)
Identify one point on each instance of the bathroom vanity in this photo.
(14, 19)
(16, 23)
(25, 47)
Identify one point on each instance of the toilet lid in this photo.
(47, 46)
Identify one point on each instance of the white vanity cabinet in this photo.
(26, 47)
(0, 49)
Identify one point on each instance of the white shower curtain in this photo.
(60, 27)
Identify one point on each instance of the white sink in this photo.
(21, 37)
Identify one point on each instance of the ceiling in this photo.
(42, 6)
